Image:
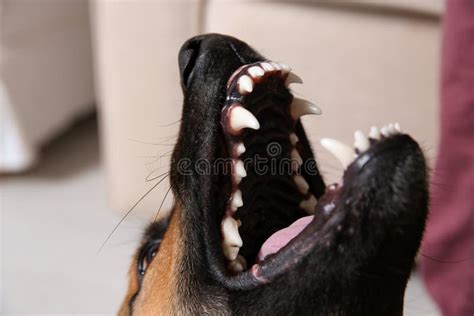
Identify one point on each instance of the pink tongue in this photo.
(282, 237)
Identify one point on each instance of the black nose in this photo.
(187, 59)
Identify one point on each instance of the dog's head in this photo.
(254, 229)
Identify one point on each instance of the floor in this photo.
(53, 222)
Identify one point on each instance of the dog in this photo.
(243, 239)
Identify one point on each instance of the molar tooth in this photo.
(300, 107)
(238, 265)
(374, 133)
(301, 184)
(309, 204)
(239, 170)
(231, 240)
(236, 202)
(391, 128)
(242, 118)
(256, 71)
(267, 66)
(293, 139)
(341, 151)
(384, 131)
(361, 142)
(296, 158)
(292, 78)
(245, 84)
(240, 148)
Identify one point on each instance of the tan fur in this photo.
(158, 295)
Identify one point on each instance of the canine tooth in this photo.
(240, 148)
(341, 151)
(267, 66)
(245, 84)
(374, 133)
(239, 170)
(398, 128)
(309, 204)
(301, 184)
(292, 78)
(242, 118)
(236, 202)
(361, 142)
(285, 68)
(300, 107)
(256, 71)
(293, 139)
(238, 265)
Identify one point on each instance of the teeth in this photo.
(285, 68)
(293, 139)
(309, 205)
(300, 107)
(267, 66)
(341, 151)
(361, 143)
(384, 131)
(241, 118)
(398, 128)
(256, 72)
(245, 84)
(231, 241)
(296, 160)
(239, 171)
(374, 133)
(276, 65)
(240, 148)
(293, 78)
(392, 129)
(236, 202)
(238, 265)
(301, 184)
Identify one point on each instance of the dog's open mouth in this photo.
(273, 209)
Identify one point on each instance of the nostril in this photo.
(187, 60)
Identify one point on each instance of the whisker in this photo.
(163, 201)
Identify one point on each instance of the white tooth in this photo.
(296, 160)
(245, 84)
(240, 148)
(292, 78)
(267, 66)
(237, 265)
(236, 202)
(276, 66)
(300, 107)
(256, 71)
(239, 170)
(384, 131)
(374, 133)
(241, 118)
(231, 241)
(285, 68)
(341, 151)
(391, 128)
(309, 204)
(361, 142)
(398, 128)
(293, 139)
(301, 184)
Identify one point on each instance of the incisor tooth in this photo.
(276, 65)
(374, 133)
(384, 131)
(309, 204)
(256, 71)
(360, 141)
(341, 151)
(245, 84)
(293, 139)
(300, 107)
(398, 128)
(292, 78)
(301, 184)
(267, 66)
(236, 202)
(285, 68)
(242, 118)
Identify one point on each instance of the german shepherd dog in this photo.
(247, 236)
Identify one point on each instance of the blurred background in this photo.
(90, 103)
